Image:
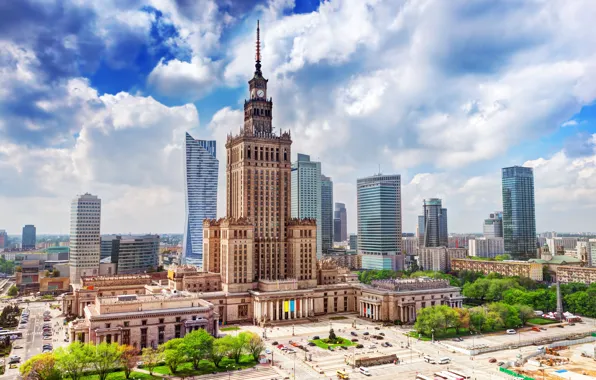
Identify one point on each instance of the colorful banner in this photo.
(292, 305)
(286, 306)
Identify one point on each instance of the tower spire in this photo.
(258, 56)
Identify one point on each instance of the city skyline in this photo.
(109, 118)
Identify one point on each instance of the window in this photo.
(161, 320)
(126, 323)
(144, 322)
(108, 325)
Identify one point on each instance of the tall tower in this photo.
(379, 222)
(28, 238)
(435, 223)
(258, 239)
(306, 193)
(519, 217)
(200, 180)
(340, 215)
(85, 240)
(326, 213)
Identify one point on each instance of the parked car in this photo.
(14, 359)
(17, 347)
(382, 333)
(543, 329)
(315, 337)
(353, 333)
(311, 344)
(561, 326)
(275, 343)
(354, 340)
(268, 351)
(511, 332)
(365, 333)
(377, 328)
(344, 347)
(387, 344)
(492, 360)
(359, 346)
(500, 363)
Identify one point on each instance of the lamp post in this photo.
(293, 330)
(432, 331)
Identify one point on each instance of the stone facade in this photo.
(505, 268)
(391, 300)
(566, 274)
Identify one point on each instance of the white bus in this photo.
(422, 377)
(459, 373)
(364, 371)
(449, 375)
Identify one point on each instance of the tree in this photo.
(236, 345)
(128, 359)
(41, 367)
(174, 353)
(218, 351)
(429, 319)
(255, 346)
(197, 345)
(73, 359)
(491, 321)
(477, 318)
(105, 357)
(463, 319)
(151, 357)
(503, 257)
(13, 291)
(525, 313)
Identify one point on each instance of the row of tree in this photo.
(495, 316)
(77, 359)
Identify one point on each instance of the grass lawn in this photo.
(541, 321)
(230, 328)
(207, 367)
(120, 376)
(345, 342)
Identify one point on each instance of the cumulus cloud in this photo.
(186, 80)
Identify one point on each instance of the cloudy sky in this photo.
(95, 96)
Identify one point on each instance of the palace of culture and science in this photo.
(259, 264)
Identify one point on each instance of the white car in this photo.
(511, 332)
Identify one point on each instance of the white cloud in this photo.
(569, 123)
(186, 80)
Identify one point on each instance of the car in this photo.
(387, 344)
(543, 329)
(17, 347)
(66, 340)
(331, 348)
(47, 337)
(372, 346)
(343, 347)
(315, 337)
(280, 346)
(46, 350)
(268, 351)
(365, 333)
(359, 346)
(511, 331)
(311, 344)
(354, 340)
(275, 343)
(47, 345)
(22, 327)
(492, 360)
(377, 328)
(561, 326)
(382, 333)
(353, 333)
(500, 363)
(572, 324)
(14, 359)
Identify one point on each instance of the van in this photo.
(430, 360)
(342, 375)
(364, 371)
(444, 361)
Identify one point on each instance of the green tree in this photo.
(197, 346)
(503, 257)
(491, 321)
(128, 359)
(13, 291)
(516, 296)
(525, 313)
(41, 367)
(151, 357)
(255, 346)
(105, 357)
(429, 319)
(174, 353)
(73, 359)
(477, 318)
(463, 319)
(218, 351)
(508, 315)
(236, 345)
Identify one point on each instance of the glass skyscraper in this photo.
(435, 224)
(201, 171)
(519, 217)
(306, 193)
(379, 222)
(326, 213)
(28, 238)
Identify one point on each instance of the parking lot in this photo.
(40, 327)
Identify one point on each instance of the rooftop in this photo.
(557, 260)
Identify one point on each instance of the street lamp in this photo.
(293, 330)
(432, 331)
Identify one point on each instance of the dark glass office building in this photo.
(519, 217)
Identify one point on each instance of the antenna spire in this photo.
(258, 55)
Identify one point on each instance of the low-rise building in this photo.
(409, 245)
(488, 247)
(567, 274)
(344, 258)
(506, 268)
(439, 258)
(146, 320)
(393, 300)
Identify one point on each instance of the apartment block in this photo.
(505, 268)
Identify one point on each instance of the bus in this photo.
(342, 375)
(422, 377)
(448, 375)
(460, 374)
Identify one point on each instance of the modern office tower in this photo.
(201, 168)
(519, 218)
(435, 224)
(379, 222)
(409, 244)
(420, 231)
(131, 253)
(493, 226)
(353, 241)
(258, 241)
(340, 214)
(486, 247)
(28, 238)
(306, 193)
(85, 219)
(326, 213)
(3, 239)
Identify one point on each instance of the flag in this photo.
(292, 305)
(286, 306)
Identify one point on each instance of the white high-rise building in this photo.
(486, 247)
(306, 194)
(85, 240)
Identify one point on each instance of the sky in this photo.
(96, 95)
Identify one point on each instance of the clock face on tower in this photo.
(260, 93)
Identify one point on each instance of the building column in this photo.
(276, 310)
(299, 302)
(307, 307)
(270, 307)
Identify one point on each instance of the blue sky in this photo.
(96, 96)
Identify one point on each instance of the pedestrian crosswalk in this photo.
(262, 373)
(333, 362)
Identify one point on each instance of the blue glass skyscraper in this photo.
(201, 171)
(519, 217)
